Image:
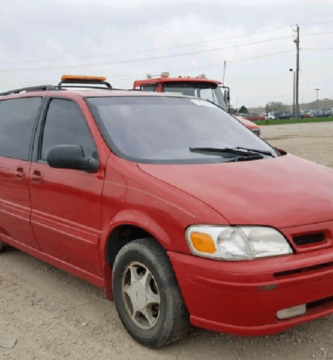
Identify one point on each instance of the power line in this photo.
(158, 57)
(146, 59)
(146, 50)
(317, 49)
(261, 56)
(329, 32)
(162, 57)
(203, 66)
(166, 47)
(206, 66)
(318, 23)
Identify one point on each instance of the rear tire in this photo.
(146, 293)
(2, 246)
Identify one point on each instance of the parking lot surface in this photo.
(48, 314)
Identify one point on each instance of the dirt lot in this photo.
(48, 314)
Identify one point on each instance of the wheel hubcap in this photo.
(141, 295)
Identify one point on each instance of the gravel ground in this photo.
(48, 314)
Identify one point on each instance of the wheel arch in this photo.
(122, 229)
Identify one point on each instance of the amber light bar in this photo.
(80, 78)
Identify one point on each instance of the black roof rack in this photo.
(30, 88)
(85, 84)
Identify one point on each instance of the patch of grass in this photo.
(292, 121)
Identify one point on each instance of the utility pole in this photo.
(317, 98)
(294, 112)
(296, 41)
(225, 65)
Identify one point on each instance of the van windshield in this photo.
(162, 129)
(206, 91)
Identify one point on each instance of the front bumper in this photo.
(243, 297)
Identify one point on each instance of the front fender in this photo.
(136, 218)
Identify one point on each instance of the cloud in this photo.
(72, 36)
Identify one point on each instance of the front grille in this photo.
(307, 239)
(321, 302)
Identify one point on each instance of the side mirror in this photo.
(71, 157)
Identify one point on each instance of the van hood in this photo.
(282, 192)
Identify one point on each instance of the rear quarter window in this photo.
(17, 119)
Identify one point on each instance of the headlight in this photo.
(236, 243)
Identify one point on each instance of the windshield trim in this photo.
(214, 159)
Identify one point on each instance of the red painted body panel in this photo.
(249, 124)
(67, 207)
(66, 215)
(215, 291)
(278, 192)
(73, 214)
(63, 265)
(252, 117)
(15, 207)
(133, 197)
(161, 80)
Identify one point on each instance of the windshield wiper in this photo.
(235, 151)
(263, 152)
(245, 158)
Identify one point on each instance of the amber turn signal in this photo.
(202, 242)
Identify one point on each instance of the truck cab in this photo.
(199, 86)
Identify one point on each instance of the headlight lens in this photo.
(236, 243)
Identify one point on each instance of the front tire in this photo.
(146, 293)
(2, 246)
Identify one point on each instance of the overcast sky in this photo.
(125, 39)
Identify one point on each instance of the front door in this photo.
(66, 204)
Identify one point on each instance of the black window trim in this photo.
(38, 143)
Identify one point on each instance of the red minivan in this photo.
(175, 209)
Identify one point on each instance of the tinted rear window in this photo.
(17, 118)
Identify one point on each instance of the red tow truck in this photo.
(199, 86)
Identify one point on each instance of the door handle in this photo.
(37, 176)
(20, 173)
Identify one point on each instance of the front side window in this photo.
(65, 125)
(162, 129)
(17, 119)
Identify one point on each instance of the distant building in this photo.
(322, 104)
